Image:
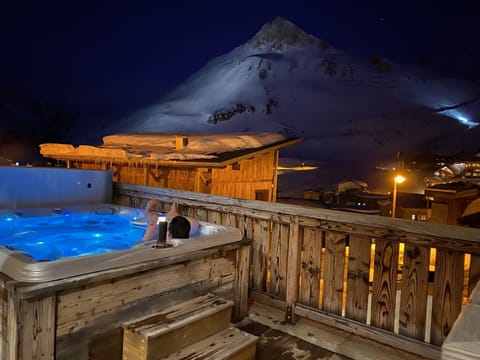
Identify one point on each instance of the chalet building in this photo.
(241, 165)
(449, 201)
(466, 169)
(410, 206)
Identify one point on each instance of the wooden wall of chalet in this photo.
(174, 178)
(248, 179)
(254, 178)
(188, 179)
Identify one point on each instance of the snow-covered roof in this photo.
(159, 147)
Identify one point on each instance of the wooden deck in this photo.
(307, 340)
(364, 275)
(274, 344)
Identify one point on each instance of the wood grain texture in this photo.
(357, 282)
(293, 268)
(419, 233)
(13, 322)
(384, 284)
(335, 245)
(241, 283)
(414, 291)
(3, 316)
(84, 306)
(278, 260)
(383, 230)
(260, 253)
(311, 267)
(447, 293)
(38, 330)
(160, 334)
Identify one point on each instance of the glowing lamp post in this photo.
(397, 180)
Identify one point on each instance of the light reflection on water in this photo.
(66, 235)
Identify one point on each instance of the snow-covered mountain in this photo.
(351, 110)
(345, 106)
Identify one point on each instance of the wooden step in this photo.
(228, 344)
(157, 335)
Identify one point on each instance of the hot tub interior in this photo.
(44, 244)
(51, 234)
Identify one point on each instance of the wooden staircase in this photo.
(199, 328)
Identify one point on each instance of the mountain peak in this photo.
(280, 33)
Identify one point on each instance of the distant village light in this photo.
(397, 180)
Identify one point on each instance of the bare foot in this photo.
(173, 211)
(152, 204)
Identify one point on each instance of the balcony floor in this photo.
(307, 340)
(274, 344)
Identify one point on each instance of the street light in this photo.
(397, 180)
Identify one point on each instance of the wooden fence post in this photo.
(242, 275)
(293, 273)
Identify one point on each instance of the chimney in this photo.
(180, 142)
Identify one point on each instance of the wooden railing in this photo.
(396, 281)
(463, 342)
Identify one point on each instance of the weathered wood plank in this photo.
(107, 345)
(13, 323)
(231, 220)
(311, 267)
(80, 308)
(92, 339)
(3, 317)
(242, 275)
(25, 291)
(260, 253)
(293, 273)
(246, 226)
(199, 213)
(384, 284)
(38, 330)
(159, 334)
(415, 232)
(414, 290)
(333, 279)
(414, 349)
(358, 274)
(447, 293)
(278, 260)
(355, 225)
(214, 217)
(228, 344)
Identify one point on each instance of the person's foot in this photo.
(152, 204)
(173, 211)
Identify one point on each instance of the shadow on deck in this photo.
(307, 340)
(274, 344)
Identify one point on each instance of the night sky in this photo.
(96, 56)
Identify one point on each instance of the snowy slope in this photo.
(352, 111)
(344, 106)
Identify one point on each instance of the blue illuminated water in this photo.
(65, 234)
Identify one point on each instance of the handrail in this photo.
(463, 342)
(406, 278)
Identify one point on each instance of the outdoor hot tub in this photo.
(45, 244)
(71, 276)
